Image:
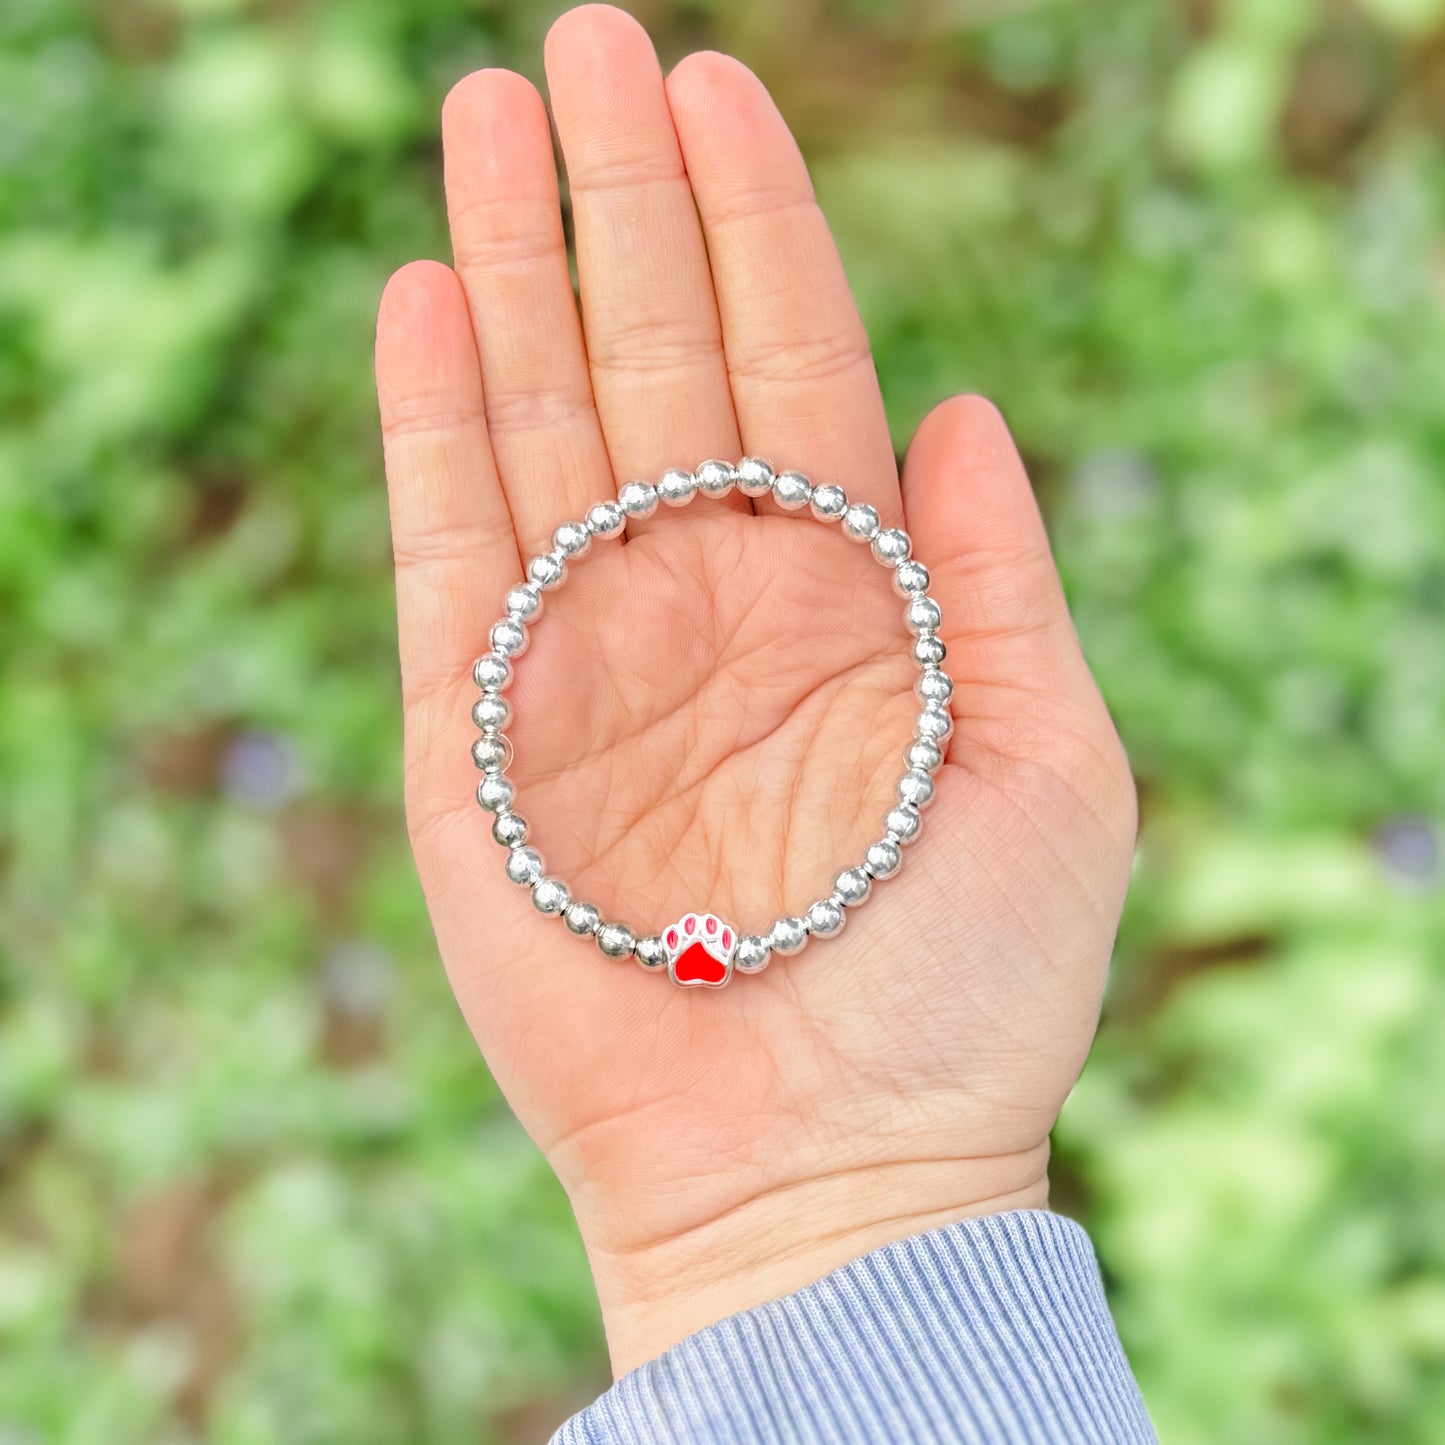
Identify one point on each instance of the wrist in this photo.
(654, 1293)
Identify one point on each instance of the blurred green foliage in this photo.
(255, 1185)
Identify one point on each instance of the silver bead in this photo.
(491, 672)
(495, 793)
(676, 487)
(792, 491)
(638, 499)
(524, 866)
(923, 754)
(547, 570)
(860, 522)
(825, 918)
(829, 503)
(910, 577)
(753, 954)
(891, 546)
(755, 479)
(883, 858)
(933, 686)
(929, 651)
(716, 479)
(935, 722)
(550, 896)
(508, 638)
(915, 787)
(606, 519)
(852, 886)
(509, 829)
(788, 934)
(921, 615)
(582, 919)
(572, 539)
(615, 940)
(492, 752)
(902, 823)
(649, 952)
(491, 710)
(523, 602)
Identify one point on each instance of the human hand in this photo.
(714, 712)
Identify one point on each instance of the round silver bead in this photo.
(676, 487)
(902, 823)
(929, 651)
(915, 787)
(572, 539)
(509, 829)
(755, 479)
(508, 638)
(910, 577)
(606, 519)
(934, 686)
(650, 953)
(792, 491)
(922, 614)
(495, 793)
(638, 499)
(891, 546)
(923, 754)
(524, 866)
(852, 886)
(788, 934)
(883, 858)
(492, 752)
(716, 479)
(550, 896)
(523, 602)
(547, 570)
(615, 940)
(825, 918)
(491, 710)
(828, 503)
(582, 919)
(935, 722)
(860, 522)
(753, 954)
(491, 672)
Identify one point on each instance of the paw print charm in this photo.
(700, 948)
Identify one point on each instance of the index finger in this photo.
(802, 377)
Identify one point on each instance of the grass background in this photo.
(255, 1186)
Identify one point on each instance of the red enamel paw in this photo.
(700, 948)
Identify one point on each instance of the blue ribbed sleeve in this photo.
(987, 1330)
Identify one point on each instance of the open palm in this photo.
(713, 712)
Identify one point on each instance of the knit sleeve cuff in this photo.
(988, 1330)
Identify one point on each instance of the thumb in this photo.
(970, 506)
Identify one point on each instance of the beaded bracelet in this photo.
(701, 948)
